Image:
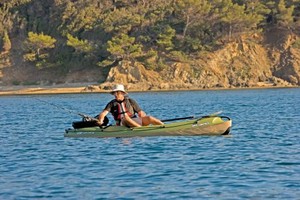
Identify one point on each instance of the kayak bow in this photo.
(206, 125)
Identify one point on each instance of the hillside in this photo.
(252, 61)
(171, 44)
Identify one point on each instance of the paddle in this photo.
(175, 119)
(213, 114)
(191, 117)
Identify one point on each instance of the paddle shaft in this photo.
(175, 119)
(191, 117)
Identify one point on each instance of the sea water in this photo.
(259, 160)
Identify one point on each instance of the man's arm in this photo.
(137, 108)
(101, 116)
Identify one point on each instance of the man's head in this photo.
(119, 92)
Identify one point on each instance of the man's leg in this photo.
(151, 120)
(127, 121)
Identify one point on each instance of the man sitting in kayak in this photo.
(124, 110)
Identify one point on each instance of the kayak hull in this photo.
(211, 125)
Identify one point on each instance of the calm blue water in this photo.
(260, 160)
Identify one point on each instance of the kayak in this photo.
(205, 125)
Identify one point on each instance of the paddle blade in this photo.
(212, 114)
(215, 113)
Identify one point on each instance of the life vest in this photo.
(120, 108)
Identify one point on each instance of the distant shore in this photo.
(86, 88)
(55, 89)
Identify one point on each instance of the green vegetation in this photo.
(88, 33)
(80, 46)
(6, 42)
(36, 47)
(123, 47)
(297, 44)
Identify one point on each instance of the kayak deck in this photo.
(209, 125)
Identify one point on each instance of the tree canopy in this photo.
(35, 47)
(84, 33)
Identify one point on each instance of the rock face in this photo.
(251, 61)
(287, 65)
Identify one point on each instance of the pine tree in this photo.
(192, 12)
(80, 46)
(36, 46)
(123, 47)
(165, 38)
(6, 43)
(285, 14)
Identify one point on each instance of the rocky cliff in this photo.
(252, 61)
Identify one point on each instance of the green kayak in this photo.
(206, 125)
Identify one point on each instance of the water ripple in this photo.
(259, 160)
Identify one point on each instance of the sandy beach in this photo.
(57, 89)
(80, 88)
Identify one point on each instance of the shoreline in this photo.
(84, 89)
(37, 90)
